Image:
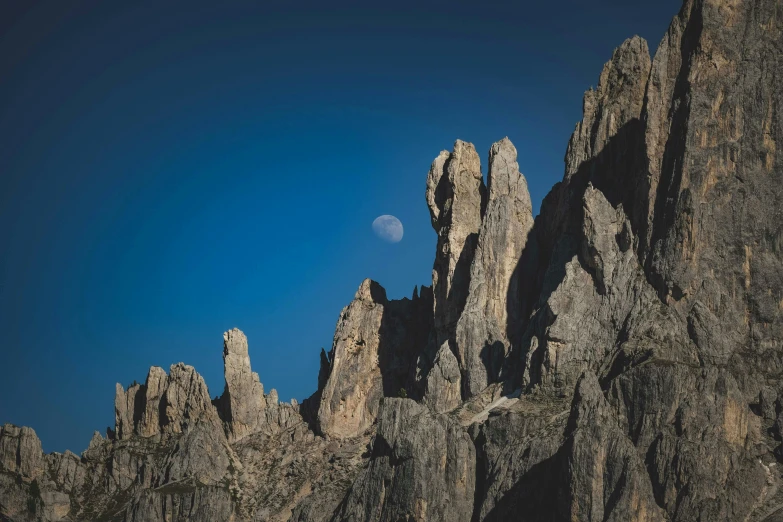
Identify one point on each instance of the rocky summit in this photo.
(616, 358)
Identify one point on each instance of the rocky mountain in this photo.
(617, 358)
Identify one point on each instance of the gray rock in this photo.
(492, 308)
(617, 358)
(164, 405)
(456, 197)
(376, 344)
(696, 431)
(20, 452)
(604, 476)
(201, 455)
(442, 392)
(182, 504)
(125, 410)
(422, 467)
(243, 401)
(617, 101)
(155, 386)
(768, 398)
(185, 401)
(350, 398)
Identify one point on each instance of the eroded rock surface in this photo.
(421, 468)
(617, 358)
(492, 311)
(164, 405)
(456, 197)
(373, 355)
(182, 464)
(243, 401)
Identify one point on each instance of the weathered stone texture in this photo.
(375, 348)
(456, 197)
(243, 401)
(617, 358)
(421, 468)
(493, 307)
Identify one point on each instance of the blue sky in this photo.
(170, 170)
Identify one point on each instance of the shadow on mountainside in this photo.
(535, 495)
(668, 190)
(404, 330)
(557, 235)
(404, 334)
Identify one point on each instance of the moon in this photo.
(388, 228)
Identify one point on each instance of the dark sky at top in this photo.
(170, 170)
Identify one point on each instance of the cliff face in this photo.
(617, 358)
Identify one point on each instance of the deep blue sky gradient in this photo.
(170, 170)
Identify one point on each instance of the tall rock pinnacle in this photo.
(456, 197)
(615, 103)
(350, 399)
(243, 400)
(493, 304)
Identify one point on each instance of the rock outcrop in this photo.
(442, 391)
(353, 391)
(164, 405)
(617, 358)
(421, 468)
(604, 476)
(493, 311)
(243, 400)
(456, 197)
(374, 353)
(171, 457)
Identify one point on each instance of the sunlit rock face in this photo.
(373, 355)
(617, 358)
(164, 404)
(351, 397)
(243, 400)
(492, 310)
(456, 197)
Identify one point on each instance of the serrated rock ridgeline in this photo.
(617, 358)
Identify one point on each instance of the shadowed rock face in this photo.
(421, 468)
(618, 358)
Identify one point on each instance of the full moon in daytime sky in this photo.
(388, 228)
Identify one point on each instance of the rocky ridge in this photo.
(617, 358)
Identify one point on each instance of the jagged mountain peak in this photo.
(616, 358)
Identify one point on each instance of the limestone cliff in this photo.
(617, 358)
